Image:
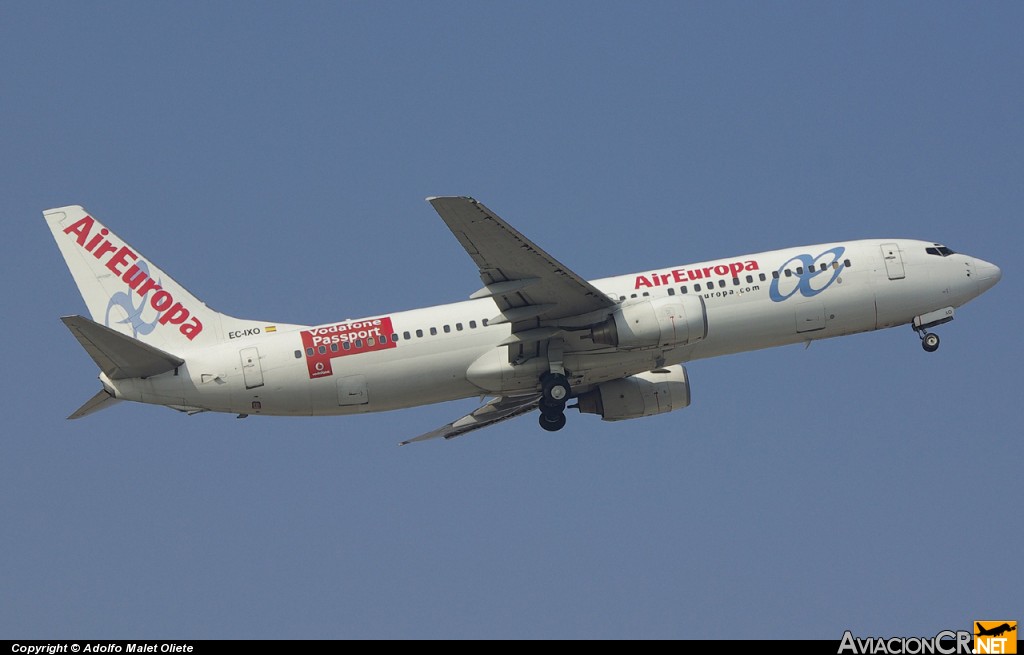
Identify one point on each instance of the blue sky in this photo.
(275, 157)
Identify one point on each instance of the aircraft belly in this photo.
(595, 368)
(393, 383)
(493, 373)
(849, 307)
(163, 389)
(899, 301)
(746, 326)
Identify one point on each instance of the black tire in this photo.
(930, 342)
(551, 411)
(552, 423)
(556, 390)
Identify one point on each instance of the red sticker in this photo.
(322, 344)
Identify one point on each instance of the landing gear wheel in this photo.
(552, 422)
(930, 342)
(551, 411)
(556, 390)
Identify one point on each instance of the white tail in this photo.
(127, 292)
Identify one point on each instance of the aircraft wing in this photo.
(496, 410)
(525, 282)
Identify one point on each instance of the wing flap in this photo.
(496, 410)
(118, 355)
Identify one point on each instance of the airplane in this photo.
(534, 337)
(996, 631)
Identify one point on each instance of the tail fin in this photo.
(128, 293)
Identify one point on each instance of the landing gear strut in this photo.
(555, 393)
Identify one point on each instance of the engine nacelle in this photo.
(661, 322)
(643, 394)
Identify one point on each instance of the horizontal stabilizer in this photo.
(118, 355)
(101, 400)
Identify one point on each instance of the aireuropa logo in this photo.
(995, 637)
(814, 275)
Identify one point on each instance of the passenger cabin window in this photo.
(472, 325)
(447, 329)
(406, 336)
(334, 347)
(846, 263)
(682, 289)
(309, 352)
(433, 331)
(696, 287)
(775, 275)
(484, 322)
(761, 277)
(458, 326)
(750, 278)
(298, 354)
(347, 345)
(736, 281)
(419, 333)
(671, 291)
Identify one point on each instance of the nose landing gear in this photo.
(929, 341)
(921, 324)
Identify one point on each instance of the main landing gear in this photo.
(555, 393)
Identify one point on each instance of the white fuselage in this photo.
(447, 352)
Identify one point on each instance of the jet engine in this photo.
(644, 394)
(661, 322)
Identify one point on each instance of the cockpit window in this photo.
(941, 251)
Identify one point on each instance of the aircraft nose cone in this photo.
(988, 274)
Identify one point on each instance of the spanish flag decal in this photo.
(270, 328)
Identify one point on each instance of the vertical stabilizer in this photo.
(125, 291)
